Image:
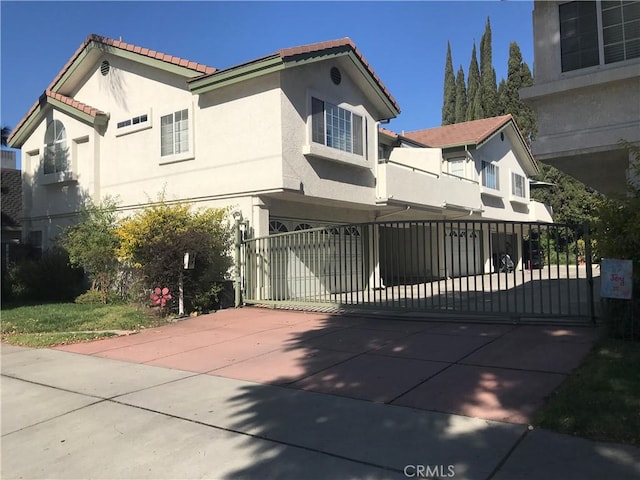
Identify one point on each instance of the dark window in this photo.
(620, 30)
(578, 35)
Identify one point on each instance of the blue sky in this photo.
(405, 42)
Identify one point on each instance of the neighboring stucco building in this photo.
(586, 90)
(290, 140)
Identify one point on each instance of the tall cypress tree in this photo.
(518, 76)
(449, 101)
(461, 97)
(488, 74)
(473, 83)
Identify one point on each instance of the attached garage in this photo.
(463, 252)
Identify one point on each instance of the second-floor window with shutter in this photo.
(336, 127)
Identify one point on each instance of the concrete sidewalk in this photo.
(66, 415)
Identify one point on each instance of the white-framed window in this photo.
(597, 33)
(336, 127)
(140, 119)
(517, 185)
(56, 151)
(174, 133)
(490, 176)
(457, 166)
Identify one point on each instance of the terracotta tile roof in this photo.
(388, 133)
(61, 98)
(469, 133)
(198, 67)
(290, 53)
(75, 104)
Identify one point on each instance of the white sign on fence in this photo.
(616, 278)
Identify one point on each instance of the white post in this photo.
(180, 297)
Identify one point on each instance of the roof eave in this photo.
(19, 136)
(274, 63)
(393, 109)
(222, 78)
(94, 44)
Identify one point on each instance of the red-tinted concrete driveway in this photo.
(498, 372)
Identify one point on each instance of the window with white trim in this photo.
(133, 121)
(56, 152)
(596, 33)
(456, 166)
(336, 127)
(174, 133)
(517, 185)
(490, 176)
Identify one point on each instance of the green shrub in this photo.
(48, 279)
(154, 242)
(618, 236)
(92, 296)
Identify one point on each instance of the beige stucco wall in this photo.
(51, 200)
(320, 177)
(500, 204)
(233, 133)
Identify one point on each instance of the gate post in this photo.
(588, 260)
(238, 243)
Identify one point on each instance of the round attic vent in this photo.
(104, 68)
(336, 76)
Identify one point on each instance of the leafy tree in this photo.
(92, 243)
(473, 89)
(5, 135)
(572, 201)
(449, 103)
(488, 74)
(461, 97)
(155, 240)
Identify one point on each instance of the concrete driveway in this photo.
(495, 372)
(259, 394)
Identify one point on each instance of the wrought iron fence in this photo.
(516, 269)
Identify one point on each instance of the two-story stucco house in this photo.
(586, 90)
(290, 140)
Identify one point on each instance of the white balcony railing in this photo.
(405, 181)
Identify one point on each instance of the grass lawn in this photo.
(601, 399)
(63, 323)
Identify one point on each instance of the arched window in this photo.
(277, 227)
(302, 226)
(56, 153)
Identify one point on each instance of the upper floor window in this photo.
(336, 127)
(133, 121)
(517, 185)
(457, 166)
(490, 176)
(593, 33)
(174, 133)
(620, 30)
(56, 152)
